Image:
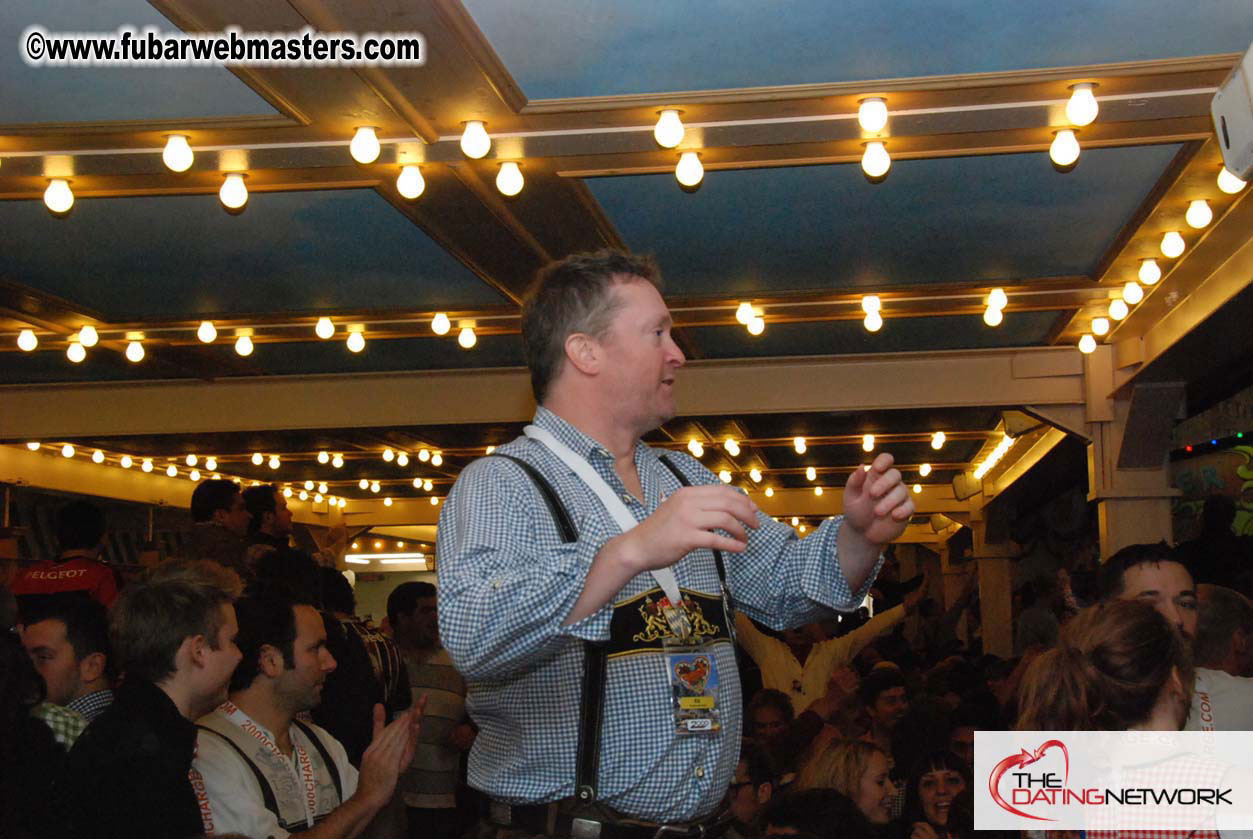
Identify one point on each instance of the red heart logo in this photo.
(1025, 758)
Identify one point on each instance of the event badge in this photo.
(693, 674)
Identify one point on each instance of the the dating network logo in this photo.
(1027, 787)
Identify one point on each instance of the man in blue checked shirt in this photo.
(579, 553)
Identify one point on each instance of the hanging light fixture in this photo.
(1087, 344)
(876, 161)
(1082, 107)
(1150, 272)
(177, 154)
(669, 129)
(364, 147)
(207, 333)
(1199, 214)
(88, 337)
(135, 349)
(75, 352)
(1132, 292)
(410, 183)
(474, 140)
(689, 170)
(1228, 182)
(1172, 244)
(1064, 150)
(234, 192)
(27, 340)
(1118, 309)
(440, 324)
(58, 197)
(243, 342)
(324, 329)
(872, 114)
(509, 179)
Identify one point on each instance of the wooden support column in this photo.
(994, 565)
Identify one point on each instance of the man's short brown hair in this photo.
(150, 621)
(570, 296)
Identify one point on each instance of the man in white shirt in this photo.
(1223, 697)
(261, 772)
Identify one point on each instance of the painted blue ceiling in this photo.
(608, 48)
(953, 220)
(51, 365)
(844, 337)
(183, 256)
(85, 94)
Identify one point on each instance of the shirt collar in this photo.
(580, 443)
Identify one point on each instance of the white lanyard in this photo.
(306, 773)
(618, 510)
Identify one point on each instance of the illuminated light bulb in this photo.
(177, 155)
(427, 485)
(146, 465)
(917, 488)
(191, 460)
(375, 486)
(1100, 326)
(474, 140)
(323, 457)
(1228, 182)
(216, 476)
(67, 450)
(802, 529)
(754, 474)
(997, 298)
(817, 490)
(342, 503)
(172, 470)
(274, 461)
(1132, 292)
(1172, 244)
(770, 492)
(1087, 344)
(993, 317)
(207, 333)
(58, 197)
(97, 456)
(194, 474)
(364, 146)
(1082, 107)
(466, 337)
(88, 336)
(756, 325)
(1064, 150)
(257, 458)
(873, 322)
(798, 443)
(440, 324)
(437, 459)
(33, 446)
(871, 303)
(126, 462)
(924, 470)
(417, 483)
(410, 183)
(211, 463)
(724, 476)
(489, 450)
(694, 446)
(324, 329)
(876, 161)
(795, 521)
(308, 484)
(811, 473)
(26, 340)
(337, 461)
(937, 440)
(744, 313)
(234, 192)
(402, 459)
(363, 483)
(731, 446)
(1118, 309)
(317, 498)
(1199, 214)
(356, 342)
(75, 352)
(243, 345)
(387, 502)
(424, 455)
(867, 442)
(389, 455)
(434, 501)
(509, 179)
(304, 496)
(689, 171)
(134, 352)
(287, 493)
(669, 129)
(872, 114)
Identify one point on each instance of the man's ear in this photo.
(270, 661)
(583, 351)
(91, 667)
(194, 650)
(764, 793)
(219, 517)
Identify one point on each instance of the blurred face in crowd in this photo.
(745, 798)
(889, 708)
(768, 723)
(875, 792)
(281, 525)
(300, 685)
(419, 628)
(1168, 588)
(218, 661)
(962, 743)
(54, 658)
(936, 791)
(234, 518)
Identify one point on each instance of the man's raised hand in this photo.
(876, 502)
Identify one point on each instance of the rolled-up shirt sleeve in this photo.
(507, 580)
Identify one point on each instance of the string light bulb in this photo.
(818, 491)
(724, 476)
(474, 140)
(207, 332)
(731, 446)
(689, 171)
(243, 345)
(694, 446)
(993, 316)
(375, 486)
(211, 463)
(799, 444)
(389, 455)
(234, 192)
(191, 460)
(324, 328)
(410, 183)
(1199, 214)
(466, 337)
(434, 501)
(428, 485)
(1100, 326)
(937, 440)
(1082, 107)
(67, 450)
(997, 299)
(770, 492)
(1118, 309)
(135, 352)
(146, 465)
(1229, 182)
(424, 455)
(177, 154)
(304, 496)
(744, 313)
(274, 461)
(1064, 150)
(387, 502)
(323, 457)
(754, 475)
(26, 340)
(58, 197)
(172, 470)
(917, 489)
(437, 459)
(75, 352)
(876, 161)
(924, 470)
(1172, 244)
(287, 493)
(509, 179)
(440, 324)
(363, 483)
(126, 462)
(756, 325)
(872, 114)
(194, 475)
(402, 459)
(870, 303)
(257, 458)
(873, 322)
(88, 336)
(33, 446)
(867, 442)
(1087, 344)
(811, 474)
(1132, 292)
(669, 130)
(97, 456)
(356, 340)
(337, 461)
(309, 485)
(364, 146)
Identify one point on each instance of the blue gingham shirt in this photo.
(507, 583)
